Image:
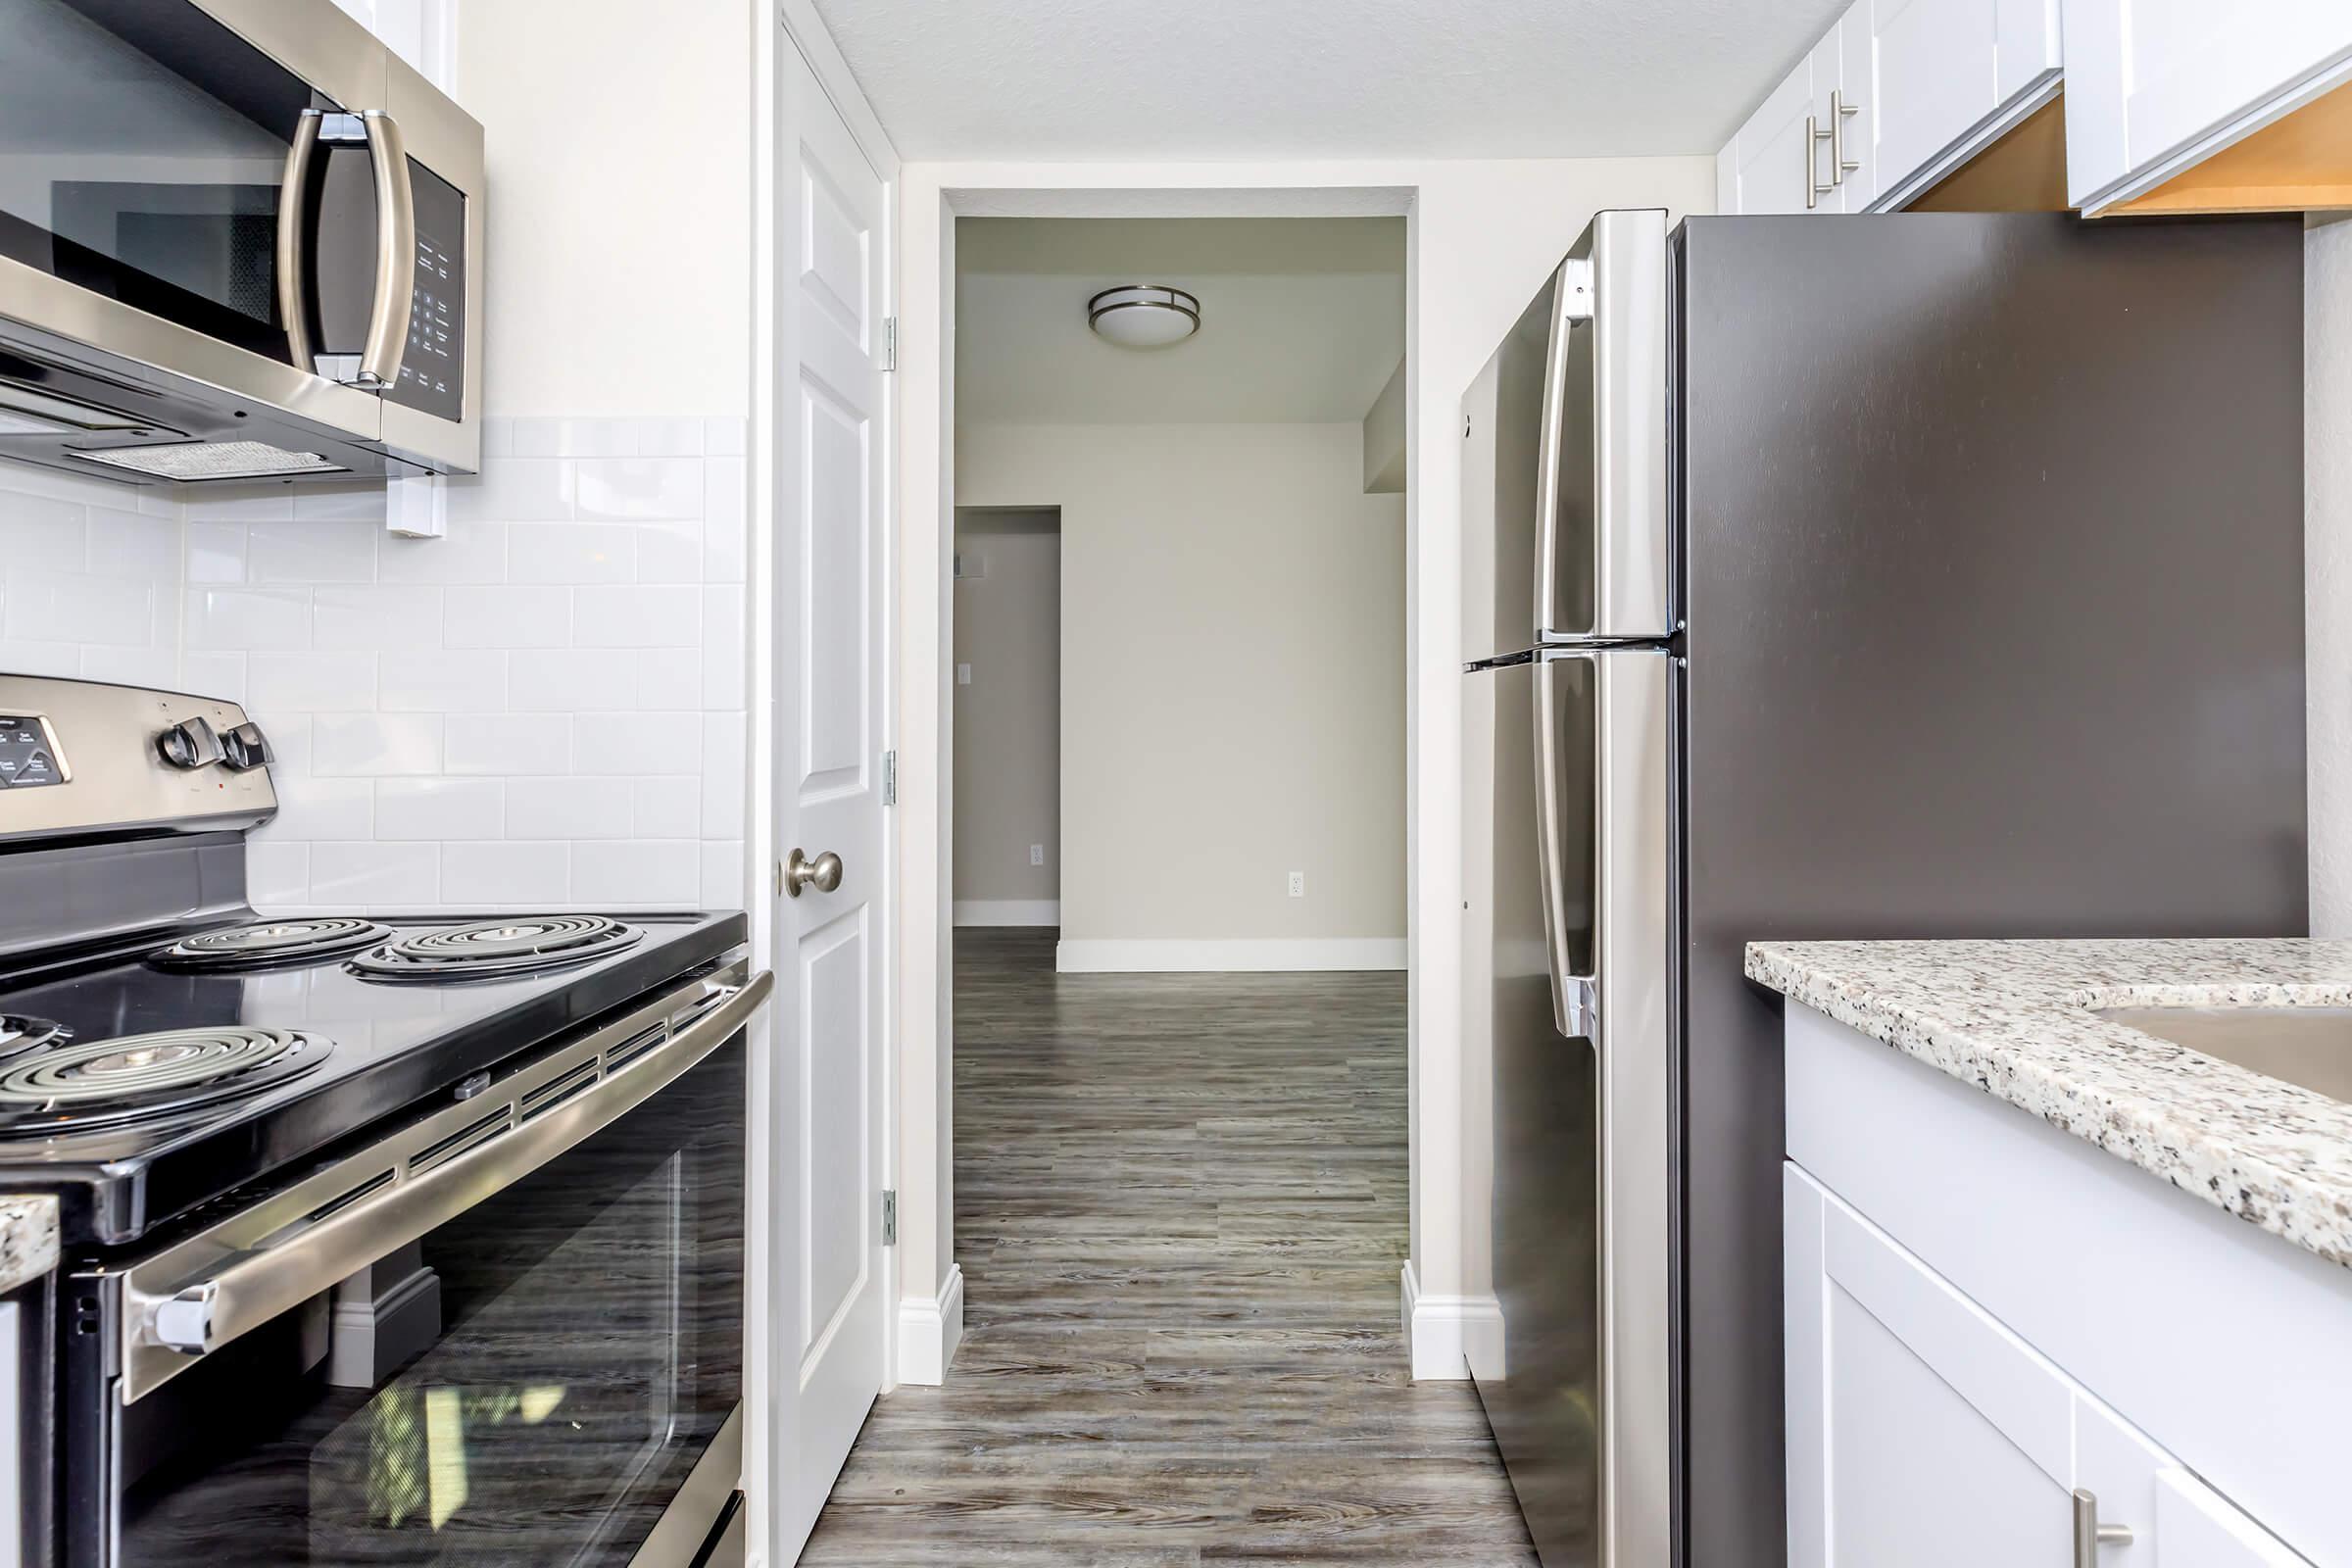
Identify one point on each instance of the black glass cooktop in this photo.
(130, 1129)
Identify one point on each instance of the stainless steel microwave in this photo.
(239, 239)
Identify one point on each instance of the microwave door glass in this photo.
(142, 151)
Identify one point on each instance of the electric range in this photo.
(396, 1239)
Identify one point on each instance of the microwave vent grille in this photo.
(191, 462)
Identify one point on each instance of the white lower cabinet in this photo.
(1923, 1434)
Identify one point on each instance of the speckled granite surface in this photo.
(27, 1240)
(2015, 1020)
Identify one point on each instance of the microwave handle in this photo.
(395, 252)
(293, 261)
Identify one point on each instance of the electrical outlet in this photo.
(1297, 884)
(1037, 855)
(964, 674)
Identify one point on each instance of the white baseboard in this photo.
(1005, 912)
(929, 1332)
(1248, 955)
(1440, 1330)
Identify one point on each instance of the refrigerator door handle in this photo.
(1604, 823)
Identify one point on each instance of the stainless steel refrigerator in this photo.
(1873, 576)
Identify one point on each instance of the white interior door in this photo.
(827, 1283)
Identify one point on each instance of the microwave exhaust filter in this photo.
(193, 462)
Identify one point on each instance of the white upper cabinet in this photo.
(1899, 93)
(2154, 86)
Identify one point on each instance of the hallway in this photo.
(1181, 1212)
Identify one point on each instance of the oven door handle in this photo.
(293, 261)
(395, 252)
(414, 1181)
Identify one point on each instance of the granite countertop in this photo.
(27, 1240)
(2014, 1019)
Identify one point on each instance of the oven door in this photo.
(510, 1332)
(249, 197)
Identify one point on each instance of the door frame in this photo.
(773, 26)
(932, 196)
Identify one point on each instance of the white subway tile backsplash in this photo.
(439, 808)
(625, 744)
(473, 553)
(637, 489)
(82, 608)
(637, 616)
(425, 680)
(248, 617)
(544, 708)
(508, 744)
(38, 534)
(309, 551)
(374, 616)
(216, 552)
(508, 617)
(506, 875)
(569, 808)
(309, 682)
(669, 808)
(571, 552)
(637, 872)
(371, 745)
(378, 874)
(312, 809)
(128, 544)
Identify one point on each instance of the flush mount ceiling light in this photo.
(1143, 315)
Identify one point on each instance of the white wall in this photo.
(2327, 585)
(1483, 235)
(1008, 720)
(1233, 693)
(618, 140)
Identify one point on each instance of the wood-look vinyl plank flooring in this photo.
(1181, 1208)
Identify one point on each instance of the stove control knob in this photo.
(245, 748)
(191, 744)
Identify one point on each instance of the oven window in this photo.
(142, 148)
(530, 1384)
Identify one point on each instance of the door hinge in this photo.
(890, 1217)
(890, 778)
(890, 343)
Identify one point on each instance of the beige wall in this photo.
(619, 143)
(1008, 720)
(1233, 676)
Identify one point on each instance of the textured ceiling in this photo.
(1300, 318)
(1052, 79)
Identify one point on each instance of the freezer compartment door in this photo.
(1579, 1385)
(1601, 566)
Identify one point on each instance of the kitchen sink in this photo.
(2309, 1047)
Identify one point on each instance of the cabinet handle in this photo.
(2090, 1535)
(1841, 165)
(1814, 137)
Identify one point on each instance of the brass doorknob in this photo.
(823, 872)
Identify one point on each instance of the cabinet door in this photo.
(1929, 1436)
(1948, 77)
(1772, 159)
(2153, 84)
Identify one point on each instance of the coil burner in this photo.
(488, 950)
(93, 1083)
(273, 944)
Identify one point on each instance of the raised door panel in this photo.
(2149, 82)
(1772, 152)
(1937, 73)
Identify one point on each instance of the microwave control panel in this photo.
(432, 369)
